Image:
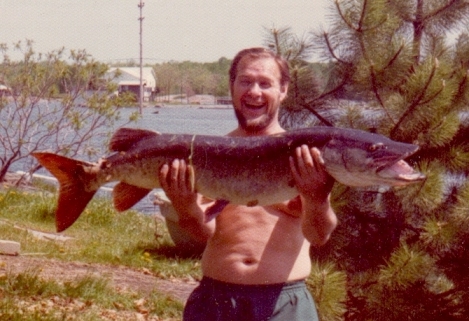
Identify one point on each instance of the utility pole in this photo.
(140, 99)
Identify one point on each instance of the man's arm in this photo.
(175, 180)
(314, 185)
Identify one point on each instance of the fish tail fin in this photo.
(73, 194)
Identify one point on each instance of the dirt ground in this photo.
(122, 278)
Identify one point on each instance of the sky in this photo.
(178, 30)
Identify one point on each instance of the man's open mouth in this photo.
(254, 105)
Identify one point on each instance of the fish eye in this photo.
(376, 147)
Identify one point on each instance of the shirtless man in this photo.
(256, 258)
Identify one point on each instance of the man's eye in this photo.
(264, 85)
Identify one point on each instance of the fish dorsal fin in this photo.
(124, 138)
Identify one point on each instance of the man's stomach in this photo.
(256, 246)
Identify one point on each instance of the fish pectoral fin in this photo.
(125, 195)
(214, 210)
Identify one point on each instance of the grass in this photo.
(27, 297)
(100, 235)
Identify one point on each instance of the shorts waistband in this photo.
(225, 286)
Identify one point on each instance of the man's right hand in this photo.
(175, 180)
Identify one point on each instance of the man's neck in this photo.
(269, 130)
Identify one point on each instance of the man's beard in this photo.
(254, 126)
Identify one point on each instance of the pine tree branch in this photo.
(462, 84)
(331, 50)
(341, 14)
(315, 113)
(361, 27)
(415, 102)
(395, 56)
(377, 94)
(434, 95)
(375, 87)
(362, 16)
(334, 90)
(440, 10)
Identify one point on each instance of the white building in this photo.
(128, 79)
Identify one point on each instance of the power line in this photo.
(140, 100)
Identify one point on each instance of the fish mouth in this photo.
(400, 171)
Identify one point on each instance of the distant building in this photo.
(4, 90)
(129, 80)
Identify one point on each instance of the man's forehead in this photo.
(249, 64)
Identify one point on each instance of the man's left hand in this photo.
(311, 178)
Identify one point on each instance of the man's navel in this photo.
(249, 261)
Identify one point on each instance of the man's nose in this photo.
(255, 89)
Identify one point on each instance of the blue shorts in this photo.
(214, 300)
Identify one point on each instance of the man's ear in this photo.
(283, 92)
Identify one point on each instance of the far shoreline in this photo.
(196, 106)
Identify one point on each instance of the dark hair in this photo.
(259, 52)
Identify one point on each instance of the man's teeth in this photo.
(254, 106)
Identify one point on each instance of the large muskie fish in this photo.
(250, 171)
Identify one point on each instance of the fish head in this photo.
(366, 159)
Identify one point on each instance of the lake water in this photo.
(189, 120)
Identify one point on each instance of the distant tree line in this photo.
(191, 78)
